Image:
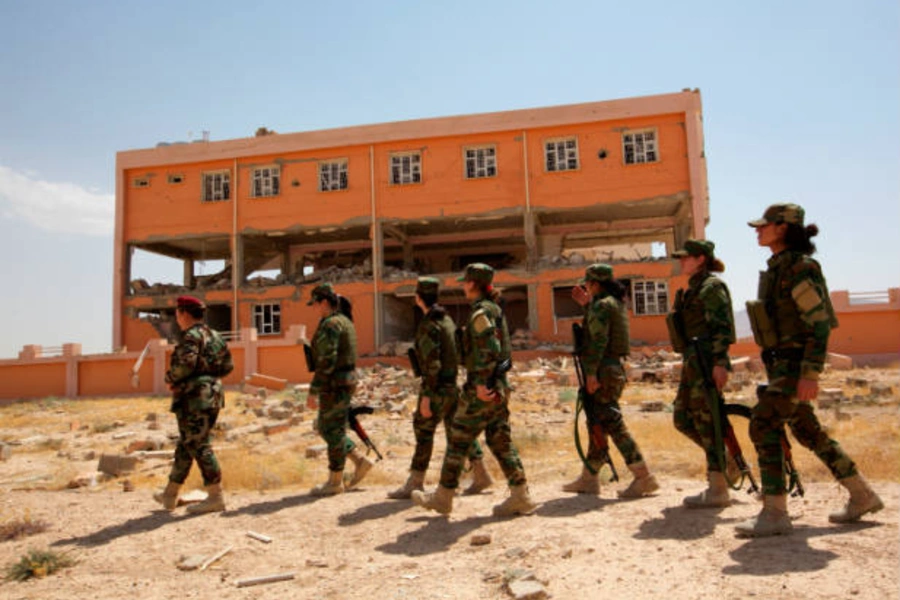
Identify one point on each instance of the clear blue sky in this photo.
(800, 103)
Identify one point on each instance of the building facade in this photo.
(536, 193)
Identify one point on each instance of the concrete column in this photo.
(158, 353)
(71, 353)
(31, 351)
(250, 343)
(533, 315)
(188, 278)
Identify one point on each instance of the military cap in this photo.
(427, 285)
(599, 272)
(780, 213)
(478, 272)
(696, 248)
(188, 302)
(320, 292)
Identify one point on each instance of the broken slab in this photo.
(266, 381)
(526, 590)
(839, 362)
(117, 464)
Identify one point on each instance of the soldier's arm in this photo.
(325, 346)
(598, 338)
(184, 359)
(719, 320)
(810, 295)
(485, 346)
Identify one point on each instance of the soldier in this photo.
(791, 322)
(484, 405)
(605, 343)
(702, 311)
(332, 387)
(435, 350)
(194, 378)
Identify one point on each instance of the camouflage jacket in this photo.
(195, 368)
(797, 300)
(704, 311)
(485, 343)
(436, 352)
(334, 350)
(605, 333)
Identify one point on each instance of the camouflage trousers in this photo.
(602, 408)
(778, 406)
(443, 407)
(473, 416)
(195, 444)
(334, 408)
(691, 413)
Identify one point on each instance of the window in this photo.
(481, 162)
(216, 186)
(140, 182)
(265, 182)
(561, 155)
(332, 175)
(176, 178)
(267, 318)
(650, 297)
(640, 147)
(406, 168)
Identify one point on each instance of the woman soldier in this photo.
(605, 342)
(334, 352)
(437, 359)
(791, 322)
(703, 311)
(484, 405)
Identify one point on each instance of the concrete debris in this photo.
(87, 479)
(523, 339)
(653, 406)
(190, 563)
(394, 348)
(116, 464)
(5, 451)
(269, 382)
(316, 451)
(526, 590)
(881, 390)
(480, 539)
(839, 362)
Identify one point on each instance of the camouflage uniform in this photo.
(197, 364)
(334, 351)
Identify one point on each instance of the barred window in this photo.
(639, 147)
(267, 318)
(481, 162)
(216, 186)
(406, 168)
(265, 182)
(650, 297)
(561, 155)
(332, 175)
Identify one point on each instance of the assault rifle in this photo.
(310, 360)
(501, 368)
(358, 428)
(414, 362)
(584, 404)
(795, 485)
(723, 432)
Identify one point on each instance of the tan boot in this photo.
(863, 500)
(714, 496)
(363, 465)
(415, 481)
(334, 485)
(518, 503)
(168, 497)
(481, 479)
(213, 503)
(772, 520)
(586, 483)
(643, 483)
(440, 500)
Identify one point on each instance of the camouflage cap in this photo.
(599, 272)
(188, 302)
(320, 292)
(780, 213)
(696, 248)
(478, 272)
(428, 285)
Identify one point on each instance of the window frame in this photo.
(655, 146)
(344, 169)
(264, 325)
(660, 292)
(480, 148)
(400, 155)
(140, 182)
(203, 179)
(274, 181)
(555, 141)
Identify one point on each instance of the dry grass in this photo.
(19, 527)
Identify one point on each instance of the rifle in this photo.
(358, 428)
(723, 431)
(795, 485)
(501, 368)
(414, 362)
(583, 404)
(310, 360)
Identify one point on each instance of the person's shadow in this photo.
(571, 506)
(438, 534)
(681, 523)
(369, 512)
(271, 506)
(149, 522)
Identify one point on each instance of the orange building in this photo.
(536, 193)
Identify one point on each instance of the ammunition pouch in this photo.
(676, 333)
(761, 323)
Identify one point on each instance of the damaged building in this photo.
(536, 193)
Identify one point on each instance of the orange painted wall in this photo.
(863, 332)
(32, 380)
(287, 362)
(107, 375)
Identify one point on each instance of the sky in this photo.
(801, 103)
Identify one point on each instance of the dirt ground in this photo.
(362, 545)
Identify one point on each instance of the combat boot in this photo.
(481, 479)
(586, 483)
(863, 499)
(334, 485)
(518, 503)
(362, 465)
(213, 503)
(772, 520)
(415, 481)
(643, 483)
(168, 497)
(716, 495)
(440, 500)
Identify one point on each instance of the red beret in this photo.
(188, 302)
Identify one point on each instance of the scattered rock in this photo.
(653, 406)
(526, 590)
(277, 428)
(480, 539)
(316, 562)
(190, 563)
(116, 464)
(516, 552)
(879, 389)
(316, 451)
(127, 486)
(192, 497)
(280, 413)
(5, 451)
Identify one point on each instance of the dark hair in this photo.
(614, 288)
(195, 312)
(799, 238)
(428, 299)
(713, 265)
(488, 291)
(344, 306)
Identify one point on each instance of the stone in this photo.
(5, 451)
(839, 362)
(653, 406)
(143, 446)
(828, 397)
(89, 455)
(151, 417)
(192, 497)
(880, 389)
(127, 486)
(87, 479)
(279, 413)
(122, 435)
(526, 590)
(35, 440)
(480, 539)
(191, 563)
(277, 428)
(857, 381)
(116, 464)
(275, 384)
(154, 425)
(316, 451)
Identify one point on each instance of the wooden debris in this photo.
(258, 536)
(265, 579)
(215, 557)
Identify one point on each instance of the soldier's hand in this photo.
(592, 384)
(486, 395)
(807, 390)
(425, 407)
(580, 295)
(720, 377)
(312, 402)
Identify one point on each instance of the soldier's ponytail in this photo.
(345, 306)
(614, 288)
(799, 238)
